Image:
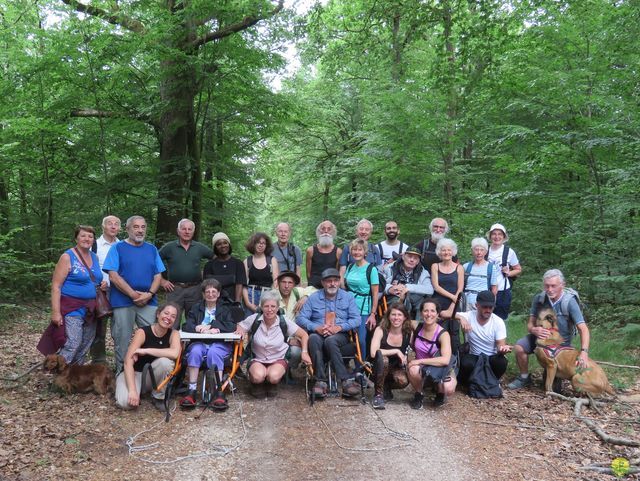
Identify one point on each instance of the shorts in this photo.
(282, 362)
(528, 343)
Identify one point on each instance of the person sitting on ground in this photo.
(407, 281)
(323, 255)
(73, 295)
(447, 277)
(435, 364)
(212, 315)
(261, 269)
(389, 346)
(157, 345)
(228, 270)
(391, 247)
(507, 267)
(565, 304)
(361, 279)
(486, 334)
(268, 345)
(438, 229)
(328, 316)
(480, 274)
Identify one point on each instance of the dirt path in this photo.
(44, 435)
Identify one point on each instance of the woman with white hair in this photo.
(480, 275)
(447, 277)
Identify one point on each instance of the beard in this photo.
(325, 240)
(392, 235)
(436, 236)
(331, 291)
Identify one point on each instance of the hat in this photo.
(293, 276)
(330, 272)
(486, 298)
(498, 227)
(413, 250)
(218, 236)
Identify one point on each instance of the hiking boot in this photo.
(520, 382)
(378, 402)
(219, 402)
(272, 390)
(158, 404)
(418, 400)
(438, 400)
(387, 394)
(258, 391)
(320, 389)
(189, 401)
(350, 388)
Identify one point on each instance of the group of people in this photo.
(427, 292)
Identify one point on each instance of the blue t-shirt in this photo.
(566, 320)
(137, 265)
(477, 281)
(356, 280)
(78, 282)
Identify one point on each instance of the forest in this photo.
(239, 114)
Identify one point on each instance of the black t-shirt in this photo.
(228, 272)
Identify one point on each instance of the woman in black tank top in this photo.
(389, 346)
(261, 268)
(158, 345)
(447, 277)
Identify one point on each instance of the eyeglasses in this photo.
(442, 227)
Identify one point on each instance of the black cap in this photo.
(330, 272)
(413, 250)
(293, 276)
(486, 299)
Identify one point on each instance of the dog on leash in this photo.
(80, 379)
(560, 361)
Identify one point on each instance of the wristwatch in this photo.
(585, 350)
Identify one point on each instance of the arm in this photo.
(538, 331)
(172, 352)
(129, 375)
(166, 284)
(585, 339)
(275, 271)
(143, 298)
(308, 262)
(303, 337)
(444, 357)
(502, 346)
(423, 286)
(116, 280)
(460, 271)
(192, 319)
(374, 280)
(298, 252)
(59, 275)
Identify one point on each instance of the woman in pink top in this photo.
(434, 364)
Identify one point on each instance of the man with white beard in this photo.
(438, 228)
(323, 255)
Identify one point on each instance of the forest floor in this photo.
(524, 436)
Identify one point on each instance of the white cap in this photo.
(498, 227)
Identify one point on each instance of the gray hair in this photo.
(182, 221)
(433, 221)
(104, 221)
(334, 230)
(270, 295)
(480, 242)
(132, 219)
(283, 223)
(553, 273)
(364, 221)
(442, 243)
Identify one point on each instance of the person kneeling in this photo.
(389, 350)
(268, 344)
(434, 365)
(157, 345)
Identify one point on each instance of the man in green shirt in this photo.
(183, 258)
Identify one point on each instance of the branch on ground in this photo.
(624, 366)
(19, 376)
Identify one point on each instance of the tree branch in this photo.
(112, 18)
(94, 113)
(246, 23)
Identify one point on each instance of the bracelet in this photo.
(584, 350)
(152, 293)
(304, 350)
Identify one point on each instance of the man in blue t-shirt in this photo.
(565, 304)
(134, 267)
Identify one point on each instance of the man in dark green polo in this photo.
(183, 257)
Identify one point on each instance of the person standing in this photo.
(183, 257)
(392, 247)
(228, 270)
(135, 271)
(289, 256)
(323, 255)
(507, 267)
(438, 229)
(110, 229)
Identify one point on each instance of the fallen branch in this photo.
(15, 378)
(599, 469)
(578, 403)
(624, 366)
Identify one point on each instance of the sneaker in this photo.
(350, 388)
(189, 401)
(378, 402)
(320, 389)
(520, 382)
(220, 402)
(439, 400)
(417, 401)
(387, 394)
(158, 404)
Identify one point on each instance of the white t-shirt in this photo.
(482, 339)
(102, 249)
(387, 250)
(495, 257)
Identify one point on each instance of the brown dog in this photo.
(76, 378)
(561, 361)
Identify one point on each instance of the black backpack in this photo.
(483, 383)
(382, 283)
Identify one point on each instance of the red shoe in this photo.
(220, 402)
(189, 401)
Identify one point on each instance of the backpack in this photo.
(467, 273)
(482, 382)
(248, 351)
(504, 261)
(568, 294)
